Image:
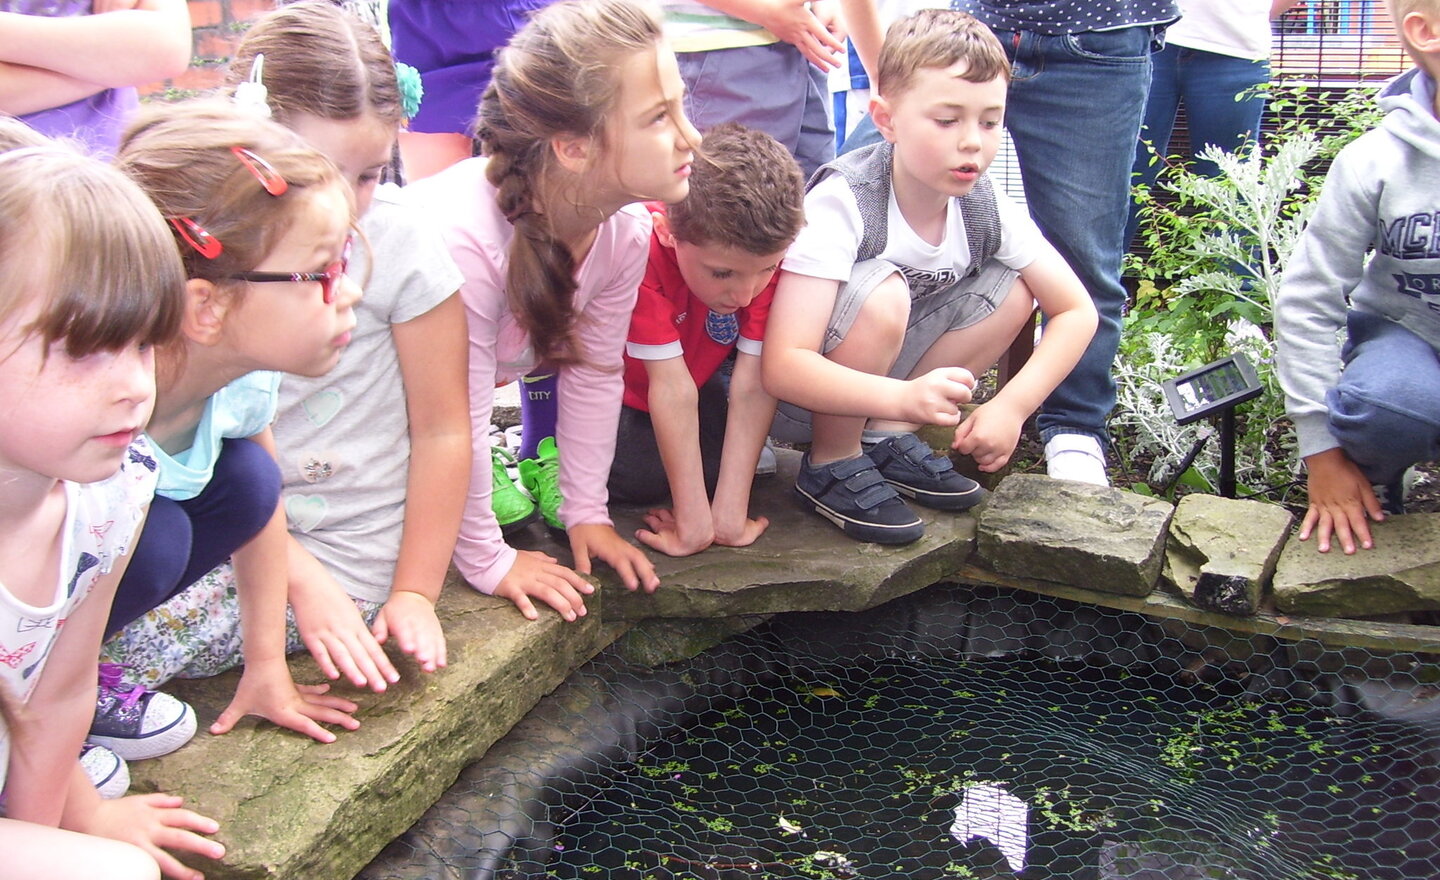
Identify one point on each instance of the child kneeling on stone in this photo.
(912, 275)
(1369, 262)
(714, 260)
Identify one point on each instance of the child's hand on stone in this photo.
(266, 689)
(410, 617)
(536, 575)
(156, 823)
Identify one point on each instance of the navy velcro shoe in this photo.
(854, 496)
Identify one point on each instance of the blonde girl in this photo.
(92, 285)
(263, 224)
(581, 119)
(392, 420)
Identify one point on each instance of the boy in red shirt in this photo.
(713, 262)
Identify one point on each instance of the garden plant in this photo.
(1210, 258)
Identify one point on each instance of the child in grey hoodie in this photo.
(1369, 262)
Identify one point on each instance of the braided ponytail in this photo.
(555, 77)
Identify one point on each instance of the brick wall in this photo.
(217, 26)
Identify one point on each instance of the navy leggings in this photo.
(183, 540)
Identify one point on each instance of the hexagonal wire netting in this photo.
(962, 732)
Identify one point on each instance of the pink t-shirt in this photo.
(462, 203)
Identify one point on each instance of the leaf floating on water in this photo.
(787, 826)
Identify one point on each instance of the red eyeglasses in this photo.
(328, 279)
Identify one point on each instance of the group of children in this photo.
(600, 240)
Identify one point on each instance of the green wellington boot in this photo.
(541, 478)
(513, 509)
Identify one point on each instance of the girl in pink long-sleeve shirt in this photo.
(582, 118)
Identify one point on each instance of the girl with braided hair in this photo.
(582, 119)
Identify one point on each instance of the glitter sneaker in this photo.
(136, 723)
(513, 509)
(541, 478)
(107, 770)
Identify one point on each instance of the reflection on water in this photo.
(988, 812)
(950, 769)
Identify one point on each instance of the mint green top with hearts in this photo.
(243, 408)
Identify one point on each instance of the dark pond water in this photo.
(1016, 767)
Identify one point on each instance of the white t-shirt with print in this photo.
(830, 241)
(102, 521)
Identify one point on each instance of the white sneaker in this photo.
(135, 722)
(107, 770)
(767, 463)
(1076, 457)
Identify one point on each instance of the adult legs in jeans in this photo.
(1208, 84)
(182, 540)
(1074, 112)
(1385, 411)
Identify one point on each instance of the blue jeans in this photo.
(1208, 85)
(1385, 411)
(1074, 113)
(862, 135)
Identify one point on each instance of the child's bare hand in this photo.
(667, 534)
(336, 636)
(156, 823)
(936, 397)
(748, 532)
(989, 434)
(541, 576)
(1340, 500)
(410, 616)
(599, 541)
(267, 690)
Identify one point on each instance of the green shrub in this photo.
(1216, 250)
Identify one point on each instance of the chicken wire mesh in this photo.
(962, 732)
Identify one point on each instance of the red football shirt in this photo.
(669, 321)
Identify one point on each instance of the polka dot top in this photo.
(1068, 16)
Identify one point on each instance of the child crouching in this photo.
(714, 259)
(912, 275)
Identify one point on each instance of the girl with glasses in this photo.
(263, 226)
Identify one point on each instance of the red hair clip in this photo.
(263, 171)
(198, 237)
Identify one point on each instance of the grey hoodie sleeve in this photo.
(1310, 308)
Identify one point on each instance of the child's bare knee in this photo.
(885, 314)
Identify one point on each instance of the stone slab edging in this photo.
(292, 808)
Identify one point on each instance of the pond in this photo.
(1002, 736)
